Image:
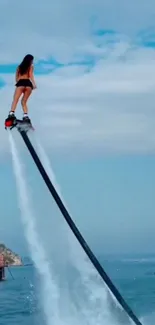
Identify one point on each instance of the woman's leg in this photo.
(26, 95)
(18, 92)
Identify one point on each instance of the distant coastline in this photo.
(10, 258)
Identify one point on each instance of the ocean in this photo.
(21, 302)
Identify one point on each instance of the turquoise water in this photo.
(20, 301)
(18, 298)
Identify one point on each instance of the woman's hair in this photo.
(25, 64)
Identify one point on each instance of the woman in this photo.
(25, 83)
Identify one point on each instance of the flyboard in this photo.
(21, 125)
(23, 128)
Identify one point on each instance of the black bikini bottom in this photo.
(24, 83)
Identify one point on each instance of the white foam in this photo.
(50, 292)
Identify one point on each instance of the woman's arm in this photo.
(17, 73)
(32, 76)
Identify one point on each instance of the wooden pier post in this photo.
(2, 267)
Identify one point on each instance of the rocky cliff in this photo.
(10, 257)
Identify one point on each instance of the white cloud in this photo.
(61, 28)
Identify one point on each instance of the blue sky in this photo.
(94, 112)
(110, 198)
